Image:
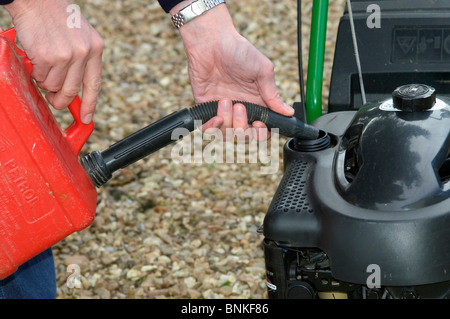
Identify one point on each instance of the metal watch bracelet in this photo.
(193, 10)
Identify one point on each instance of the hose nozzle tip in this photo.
(95, 166)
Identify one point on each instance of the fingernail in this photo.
(288, 107)
(87, 118)
(225, 106)
(238, 111)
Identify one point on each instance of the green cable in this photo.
(316, 60)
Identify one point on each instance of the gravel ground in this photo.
(176, 230)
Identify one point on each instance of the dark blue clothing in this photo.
(168, 4)
(36, 279)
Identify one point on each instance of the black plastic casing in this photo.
(395, 213)
(411, 44)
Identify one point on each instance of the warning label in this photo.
(417, 45)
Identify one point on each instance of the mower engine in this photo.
(364, 210)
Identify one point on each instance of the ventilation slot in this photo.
(291, 195)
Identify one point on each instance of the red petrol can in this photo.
(45, 194)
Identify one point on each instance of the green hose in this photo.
(316, 60)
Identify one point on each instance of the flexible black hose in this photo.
(101, 165)
(206, 111)
(287, 126)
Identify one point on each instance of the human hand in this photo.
(233, 122)
(223, 65)
(64, 58)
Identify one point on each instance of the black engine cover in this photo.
(380, 194)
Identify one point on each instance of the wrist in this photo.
(192, 10)
(18, 7)
(5, 2)
(12, 8)
(212, 26)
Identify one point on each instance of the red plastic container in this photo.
(45, 194)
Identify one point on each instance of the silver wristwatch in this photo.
(193, 10)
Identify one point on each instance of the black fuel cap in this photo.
(414, 97)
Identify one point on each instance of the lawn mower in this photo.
(363, 211)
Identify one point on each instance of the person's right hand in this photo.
(225, 66)
(64, 57)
